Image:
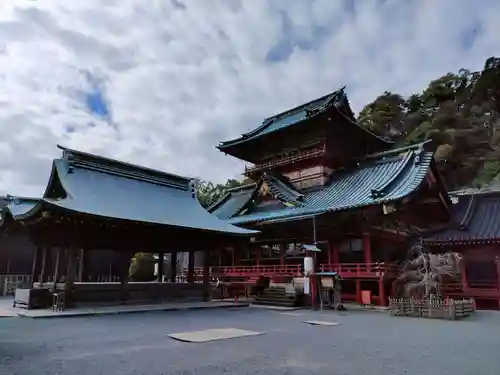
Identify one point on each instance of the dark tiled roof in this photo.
(380, 178)
(295, 116)
(104, 187)
(232, 202)
(283, 191)
(16, 206)
(475, 218)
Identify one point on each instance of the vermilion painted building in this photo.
(474, 232)
(321, 178)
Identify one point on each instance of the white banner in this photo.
(307, 290)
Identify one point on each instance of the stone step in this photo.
(274, 303)
(273, 298)
(274, 291)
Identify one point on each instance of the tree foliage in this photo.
(459, 111)
(208, 193)
(142, 267)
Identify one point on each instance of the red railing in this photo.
(286, 160)
(361, 269)
(278, 270)
(368, 270)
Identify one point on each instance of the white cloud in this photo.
(179, 79)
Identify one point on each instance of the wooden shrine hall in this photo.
(474, 233)
(319, 177)
(93, 203)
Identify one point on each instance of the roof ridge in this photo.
(219, 201)
(303, 106)
(79, 159)
(242, 187)
(270, 120)
(280, 189)
(10, 197)
(397, 150)
(469, 213)
(381, 190)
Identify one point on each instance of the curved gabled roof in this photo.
(17, 206)
(93, 185)
(475, 219)
(380, 178)
(297, 115)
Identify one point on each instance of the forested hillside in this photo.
(460, 112)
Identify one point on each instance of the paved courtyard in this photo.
(362, 342)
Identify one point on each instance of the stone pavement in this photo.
(7, 313)
(138, 344)
(6, 309)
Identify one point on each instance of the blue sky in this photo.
(96, 103)
(161, 83)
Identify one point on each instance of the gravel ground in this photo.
(363, 342)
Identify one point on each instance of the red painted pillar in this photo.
(257, 257)
(463, 277)
(498, 271)
(381, 292)
(498, 279)
(232, 257)
(336, 253)
(358, 291)
(313, 291)
(282, 254)
(367, 247)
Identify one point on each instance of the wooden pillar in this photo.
(43, 270)
(336, 254)
(497, 261)
(206, 276)
(71, 273)
(124, 264)
(81, 265)
(333, 252)
(358, 291)
(257, 256)
(367, 248)
(232, 257)
(161, 263)
(56, 269)
(463, 276)
(498, 279)
(173, 267)
(35, 269)
(381, 292)
(282, 254)
(191, 257)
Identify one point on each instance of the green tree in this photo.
(385, 115)
(459, 111)
(142, 267)
(208, 193)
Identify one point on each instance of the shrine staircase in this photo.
(276, 296)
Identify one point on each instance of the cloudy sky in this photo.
(161, 82)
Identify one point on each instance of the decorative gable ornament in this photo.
(388, 209)
(264, 189)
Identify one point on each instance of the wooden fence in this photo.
(433, 307)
